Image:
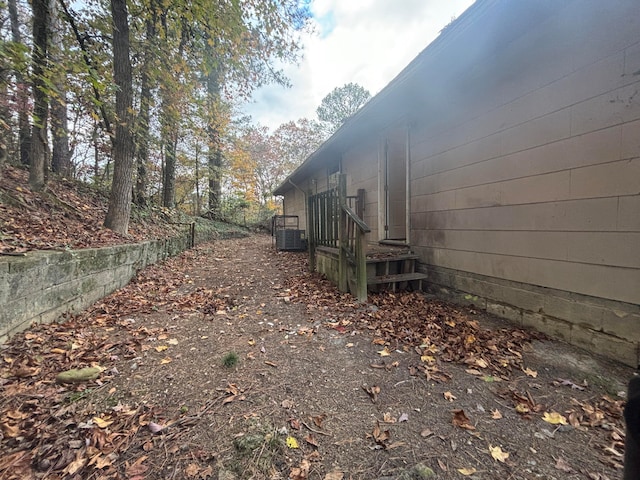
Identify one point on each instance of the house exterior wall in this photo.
(360, 164)
(295, 199)
(526, 193)
(295, 203)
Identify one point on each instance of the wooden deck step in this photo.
(393, 258)
(397, 278)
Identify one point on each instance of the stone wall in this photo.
(44, 285)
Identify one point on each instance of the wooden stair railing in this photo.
(334, 224)
(353, 251)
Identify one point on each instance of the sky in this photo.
(367, 42)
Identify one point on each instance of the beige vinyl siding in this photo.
(295, 204)
(361, 166)
(539, 180)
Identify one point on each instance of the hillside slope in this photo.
(69, 214)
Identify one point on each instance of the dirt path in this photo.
(314, 386)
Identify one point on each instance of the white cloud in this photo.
(363, 41)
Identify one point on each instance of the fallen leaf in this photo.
(384, 352)
(395, 445)
(529, 372)
(467, 471)
(101, 422)
(100, 461)
(554, 418)
(311, 440)
(173, 341)
(563, 465)
(136, 468)
(192, 470)
(496, 415)
(481, 363)
(426, 433)
(449, 396)
(404, 417)
(161, 348)
(206, 473)
(461, 420)
(498, 454)
(372, 391)
(380, 436)
(334, 475)
(318, 419)
(292, 442)
(300, 472)
(75, 466)
(17, 415)
(165, 360)
(388, 418)
(11, 431)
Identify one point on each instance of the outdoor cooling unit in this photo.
(287, 234)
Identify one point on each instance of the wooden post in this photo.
(311, 229)
(360, 203)
(192, 234)
(361, 266)
(343, 266)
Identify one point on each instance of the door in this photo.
(395, 171)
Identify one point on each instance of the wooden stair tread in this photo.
(393, 258)
(399, 277)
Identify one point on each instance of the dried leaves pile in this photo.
(42, 428)
(66, 215)
(442, 333)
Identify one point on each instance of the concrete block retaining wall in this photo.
(44, 285)
(606, 327)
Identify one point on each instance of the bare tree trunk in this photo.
(24, 128)
(61, 156)
(142, 132)
(39, 144)
(197, 172)
(214, 155)
(169, 173)
(5, 129)
(117, 218)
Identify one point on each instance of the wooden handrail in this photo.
(334, 223)
(364, 228)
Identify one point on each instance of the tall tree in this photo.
(295, 141)
(340, 104)
(117, 218)
(60, 155)
(144, 115)
(243, 40)
(22, 90)
(39, 144)
(214, 152)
